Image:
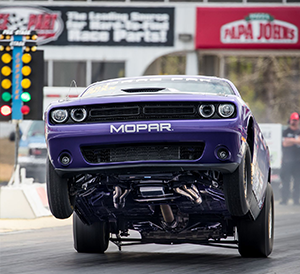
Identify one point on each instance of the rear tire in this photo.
(58, 193)
(238, 187)
(256, 237)
(90, 238)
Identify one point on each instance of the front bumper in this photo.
(68, 139)
(147, 168)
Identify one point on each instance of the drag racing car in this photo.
(179, 159)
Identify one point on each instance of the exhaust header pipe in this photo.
(168, 216)
(119, 197)
(192, 193)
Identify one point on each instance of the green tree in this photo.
(270, 85)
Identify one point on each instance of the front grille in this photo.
(114, 112)
(142, 111)
(142, 152)
(169, 110)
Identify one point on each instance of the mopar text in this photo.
(132, 128)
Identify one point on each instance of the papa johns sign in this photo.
(259, 28)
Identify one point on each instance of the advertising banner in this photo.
(273, 136)
(248, 28)
(106, 26)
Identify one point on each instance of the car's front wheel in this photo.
(256, 237)
(92, 238)
(58, 193)
(238, 186)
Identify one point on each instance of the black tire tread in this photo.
(58, 193)
(253, 235)
(233, 187)
(90, 238)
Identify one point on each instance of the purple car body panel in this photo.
(230, 133)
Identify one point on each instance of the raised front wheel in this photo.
(58, 193)
(238, 187)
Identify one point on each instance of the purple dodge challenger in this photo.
(180, 159)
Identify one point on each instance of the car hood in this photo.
(160, 96)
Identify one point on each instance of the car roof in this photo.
(164, 77)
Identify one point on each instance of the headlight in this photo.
(207, 111)
(78, 114)
(59, 115)
(226, 110)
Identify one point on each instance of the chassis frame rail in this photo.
(119, 242)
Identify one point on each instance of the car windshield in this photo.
(162, 85)
(36, 129)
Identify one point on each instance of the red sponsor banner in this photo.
(248, 28)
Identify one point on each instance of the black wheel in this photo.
(256, 237)
(90, 238)
(238, 187)
(58, 193)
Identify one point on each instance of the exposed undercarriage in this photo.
(165, 208)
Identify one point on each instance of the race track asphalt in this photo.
(49, 249)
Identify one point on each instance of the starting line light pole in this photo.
(16, 100)
(17, 76)
(21, 79)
